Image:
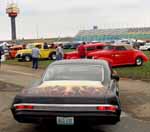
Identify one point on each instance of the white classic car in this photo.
(145, 47)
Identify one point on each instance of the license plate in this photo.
(65, 120)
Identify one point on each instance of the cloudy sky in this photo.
(53, 18)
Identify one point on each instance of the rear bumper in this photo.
(92, 118)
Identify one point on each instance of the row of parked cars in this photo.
(115, 54)
(23, 52)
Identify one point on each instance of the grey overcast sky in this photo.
(53, 18)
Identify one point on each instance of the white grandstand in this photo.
(113, 34)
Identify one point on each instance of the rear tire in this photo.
(52, 56)
(27, 58)
(139, 61)
(149, 49)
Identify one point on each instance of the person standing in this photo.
(81, 50)
(0, 56)
(35, 57)
(59, 52)
(45, 45)
(1, 53)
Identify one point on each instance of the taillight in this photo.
(107, 108)
(24, 107)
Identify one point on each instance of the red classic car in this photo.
(89, 49)
(120, 54)
(13, 50)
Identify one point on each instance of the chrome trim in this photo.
(64, 107)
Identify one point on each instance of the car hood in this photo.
(67, 89)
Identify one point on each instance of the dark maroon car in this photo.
(91, 47)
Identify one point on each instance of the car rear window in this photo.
(75, 72)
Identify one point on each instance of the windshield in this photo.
(75, 72)
(29, 46)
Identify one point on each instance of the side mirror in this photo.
(115, 77)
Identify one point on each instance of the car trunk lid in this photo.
(66, 92)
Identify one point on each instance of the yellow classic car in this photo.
(45, 53)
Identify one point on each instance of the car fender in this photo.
(141, 55)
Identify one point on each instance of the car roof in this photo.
(80, 61)
(16, 46)
(95, 44)
(127, 46)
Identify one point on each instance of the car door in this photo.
(107, 52)
(43, 52)
(121, 55)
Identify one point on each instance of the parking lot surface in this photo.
(134, 94)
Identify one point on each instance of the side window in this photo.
(99, 47)
(90, 48)
(108, 47)
(120, 48)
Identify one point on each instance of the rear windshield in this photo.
(75, 72)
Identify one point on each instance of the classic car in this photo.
(120, 54)
(71, 92)
(13, 50)
(145, 47)
(26, 54)
(91, 47)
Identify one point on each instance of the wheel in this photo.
(27, 58)
(139, 61)
(149, 49)
(52, 56)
